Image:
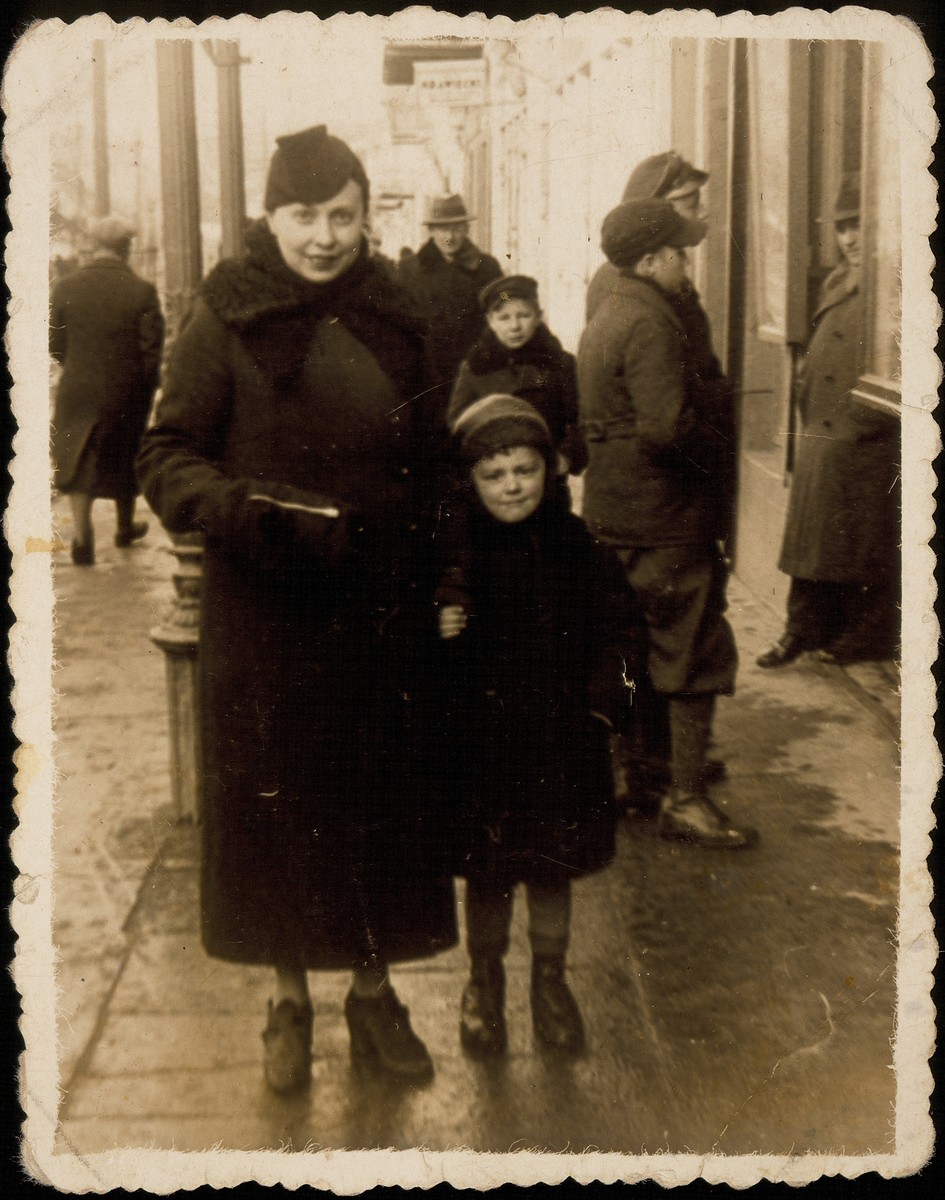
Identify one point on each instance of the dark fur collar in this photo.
(275, 311)
(488, 354)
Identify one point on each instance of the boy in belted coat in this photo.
(668, 176)
(650, 491)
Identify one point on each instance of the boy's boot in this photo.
(555, 1015)
(482, 1029)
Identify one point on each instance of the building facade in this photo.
(776, 123)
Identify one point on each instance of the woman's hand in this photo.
(453, 620)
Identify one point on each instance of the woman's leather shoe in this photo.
(482, 1029)
(380, 1032)
(555, 1015)
(126, 536)
(287, 1041)
(784, 651)
(690, 817)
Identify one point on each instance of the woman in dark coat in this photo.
(106, 329)
(536, 625)
(841, 541)
(287, 437)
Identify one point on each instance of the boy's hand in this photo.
(453, 620)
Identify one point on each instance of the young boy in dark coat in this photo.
(517, 354)
(538, 638)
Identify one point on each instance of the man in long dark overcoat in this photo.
(445, 277)
(841, 541)
(106, 330)
(650, 492)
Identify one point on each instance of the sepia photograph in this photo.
(472, 594)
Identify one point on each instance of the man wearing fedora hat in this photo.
(841, 538)
(445, 277)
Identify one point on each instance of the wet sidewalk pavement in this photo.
(735, 1002)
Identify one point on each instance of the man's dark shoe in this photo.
(83, 556)
(690, 817)
(134, 534)
(784, 651)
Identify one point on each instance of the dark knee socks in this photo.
(690, 723)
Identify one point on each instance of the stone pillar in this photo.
(226, 56)
(102, 197)
(180, 192)
(177, 636)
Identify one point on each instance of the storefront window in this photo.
(778, 84)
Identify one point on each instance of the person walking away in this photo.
(286, 436)
(669, 176)
(653, 462)
(841, 540)
(107, 331)
(445, 277)
(517, 354)
(535, 636)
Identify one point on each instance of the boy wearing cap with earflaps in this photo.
(445, 277)
(649, 492)
(534, 676)
(518, 354)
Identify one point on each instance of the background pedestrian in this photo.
(106, 329)
(287, 438)
(841, 540)
(643, 763)
(445, 277)
(649, 491)
(517, 354)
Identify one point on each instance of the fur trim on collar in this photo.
(488, 354)
(275, 311)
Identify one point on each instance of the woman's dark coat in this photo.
(527, 767)
(106, 329)
(287, 435)
(658, 470)
(447, 292)
(843, 514)
(541, 372)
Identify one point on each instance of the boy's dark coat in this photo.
(549, 640)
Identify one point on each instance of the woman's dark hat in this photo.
(508, 287)
(496, 423)
(310, 167)
(664, 176)
(447, 210)
(641, 227)
(846, 207)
